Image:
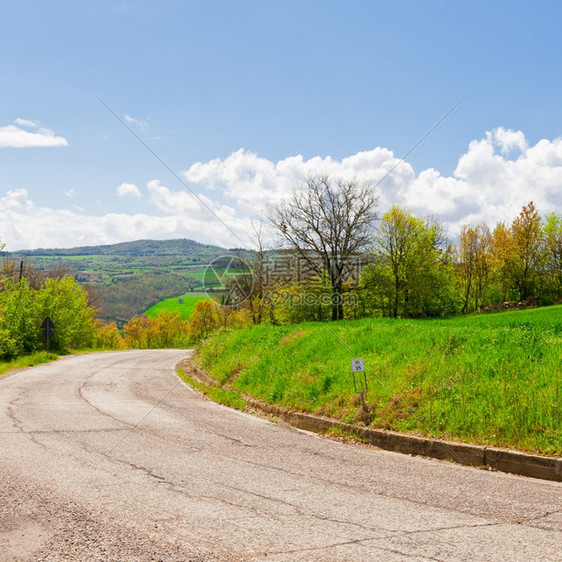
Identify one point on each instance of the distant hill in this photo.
(137, 248)
(129, 277)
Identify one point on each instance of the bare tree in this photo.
(329, 223)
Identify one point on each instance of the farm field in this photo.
(492, 379)
(184, 304)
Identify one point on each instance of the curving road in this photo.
(109, 457)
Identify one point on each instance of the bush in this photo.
(23, 309)
(9, 347)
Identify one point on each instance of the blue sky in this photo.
(243, 99)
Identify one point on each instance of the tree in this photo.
(529, 252)
(501, 252)
(107, 336)
(170, 330)
(249, 287)
(204, 319)
(66, 303)
(473, 265)
(328, 223)
(19, 317)
(411, 271)
(553, 234)
(138, 332)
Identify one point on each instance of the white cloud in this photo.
(508, 140)
(172, 202)
(497, 175)
(26, 123)
(129, 189)
(24, 225)
(13, 136)
(140, 123)
(70, 193)
(252, 182)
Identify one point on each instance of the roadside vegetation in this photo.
(24, 307)
(25, 361)
(491, 379)
(408, 298)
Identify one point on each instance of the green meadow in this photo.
(492, 379)
(184, 304)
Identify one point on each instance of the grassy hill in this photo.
(130, 277)
(492, 379)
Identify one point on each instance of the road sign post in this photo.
(359, 379)
(47, 330)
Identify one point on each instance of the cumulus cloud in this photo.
(126, 189)
(252, 182)
(14, 136)
(497, 175)
(500, 182)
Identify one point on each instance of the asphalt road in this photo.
(109, 457)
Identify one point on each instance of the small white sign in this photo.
(357, 366)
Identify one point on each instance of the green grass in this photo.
(490, 379)
(185, 307)
(27, 361)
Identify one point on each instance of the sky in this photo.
(186, 119)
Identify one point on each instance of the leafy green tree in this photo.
(412, 273)
(65, 302)
(473, 265)
(553, 236)
(19, 317)
(528, 257)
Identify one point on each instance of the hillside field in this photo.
(184, 304)
(492, 379)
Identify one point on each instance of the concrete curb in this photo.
(504, 460)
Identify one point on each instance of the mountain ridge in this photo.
(119, 248)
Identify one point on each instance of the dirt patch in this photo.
(401, 406)
(191, 369)
(293, 336)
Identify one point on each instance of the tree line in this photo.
(415, 272)
(398, 265)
